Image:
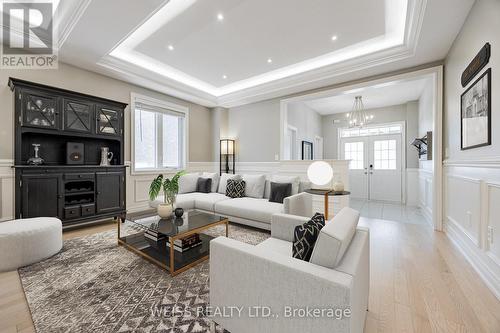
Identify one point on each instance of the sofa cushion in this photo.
(294, 180)
(207, 201)
(204, 185)
(305, 236)
(279, 191)
(276, 245)
(215, 179)
(249, 208)
(186, 201)
(223, 181)
(187, 182)
(334, 238)
(254, 185)
(235, 188)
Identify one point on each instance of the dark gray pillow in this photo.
(279, 191)
(204, 185)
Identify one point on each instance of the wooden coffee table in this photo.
(193, 222)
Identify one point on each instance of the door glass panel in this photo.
(384, 154)
(40, 111)
(77, 116)
(354, 151)
(108, 121)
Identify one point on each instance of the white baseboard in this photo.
(487, 269)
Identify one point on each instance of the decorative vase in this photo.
(179, 212)
(338, 186)
(164, 210)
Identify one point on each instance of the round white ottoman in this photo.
(26, 241)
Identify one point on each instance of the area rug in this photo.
(94, 285)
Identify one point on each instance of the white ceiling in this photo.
(392, 93)
(129, 41)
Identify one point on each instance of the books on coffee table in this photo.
(186, 243)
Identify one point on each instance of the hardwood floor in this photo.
(419, 283)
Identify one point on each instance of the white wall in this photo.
(307, 121)
(472, 177)
(256, 128)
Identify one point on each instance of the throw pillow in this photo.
(204, 185)
(215, 179)
(279, 191)
(305, 236)
(254, 186)
(235, 188)
(188, 182)
(295, 180)
(223, 181)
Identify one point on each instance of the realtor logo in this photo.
(28, 35)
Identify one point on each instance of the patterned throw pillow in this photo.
(235, 188)
(305, 236)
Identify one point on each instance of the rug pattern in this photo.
(94, 285)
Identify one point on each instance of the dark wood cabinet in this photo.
(50, 118)
(110, 200)
(41, 195)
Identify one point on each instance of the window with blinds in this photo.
(159, 136)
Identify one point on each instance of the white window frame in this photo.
(138, 98)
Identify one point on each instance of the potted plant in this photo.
(170, 188)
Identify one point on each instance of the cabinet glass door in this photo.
(77, 116)
(108, 121)
(40, 110)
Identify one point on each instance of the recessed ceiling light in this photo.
(220, 17)
(224, 77)
(269, 60)
(171, 47)
(334, 37)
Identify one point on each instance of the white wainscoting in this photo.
(6, 190)
(472, 210)
(425, 193)
(411, 187)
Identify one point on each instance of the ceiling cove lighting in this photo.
(220, 17)
(224, 77)
(171, 47)
(334, 38)
(395, 18)
(269, 60)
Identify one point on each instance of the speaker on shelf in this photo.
(74, 153)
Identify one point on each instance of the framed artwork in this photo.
(476, 113)
(307, 150)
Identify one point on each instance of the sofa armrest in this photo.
(298, 204)
(248, 277)
(283, 225)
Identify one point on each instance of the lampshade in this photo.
(320, 173)
(227, 147)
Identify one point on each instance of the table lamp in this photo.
(320, 173)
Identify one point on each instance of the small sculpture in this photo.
(179, 212)
(36, 160)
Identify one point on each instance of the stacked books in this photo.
(153, 234)
(186, 243)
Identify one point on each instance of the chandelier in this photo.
(358, 117)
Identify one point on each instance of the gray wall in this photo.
(308, 122)
(256, 128)
(482, 25)
(73, 78)
(405, 112)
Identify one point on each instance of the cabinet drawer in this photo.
(77, 176)
(71, 212)
(88, 210)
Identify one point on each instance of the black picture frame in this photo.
(467, 110)
(307, 150)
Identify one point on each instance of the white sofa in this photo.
(255, 212)
(266, 275)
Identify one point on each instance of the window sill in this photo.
(145, 172)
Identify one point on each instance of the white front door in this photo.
(384, 171)
(375, 170)
(318, 148)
